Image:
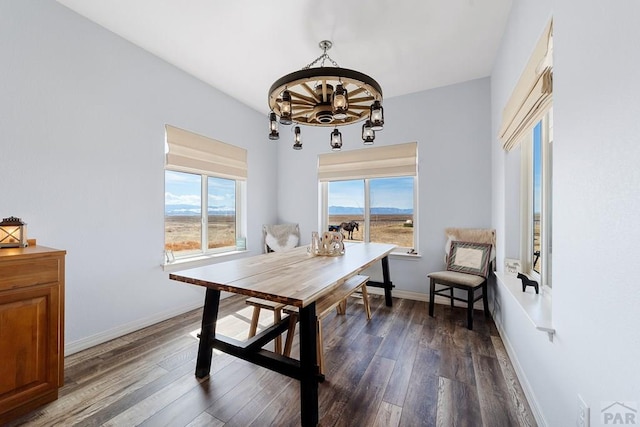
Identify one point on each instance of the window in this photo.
(537, 151)
(528, 121)
(378, 203)
(192, 228)
(204, 195)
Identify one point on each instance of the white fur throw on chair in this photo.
(281, 237)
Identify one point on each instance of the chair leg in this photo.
(432, 296)
(254, 322)
(253, 327)
(470, 294)
(365, 301)
(485, 300)
(451, 295)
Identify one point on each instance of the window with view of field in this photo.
(379, 210)
(537, 156)
(205, 195)
(536, 261)
(200, 213)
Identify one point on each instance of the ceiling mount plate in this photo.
(325, 44)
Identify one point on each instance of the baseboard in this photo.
(117, 332)
(419, 296)
(399, 293)
(524, 383)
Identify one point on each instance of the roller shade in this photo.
(375, 162)
(190, 152)
(532, 96)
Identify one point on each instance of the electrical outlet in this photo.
(583, 413)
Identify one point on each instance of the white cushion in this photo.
(463, 279)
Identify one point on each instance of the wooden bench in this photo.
(336, 299)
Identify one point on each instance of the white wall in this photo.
(82, 114)
(452, 128)
(596, 201)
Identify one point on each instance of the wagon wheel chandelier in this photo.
(326, 96)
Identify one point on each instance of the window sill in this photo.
(405, 255)
(537, 307)
(199, 261)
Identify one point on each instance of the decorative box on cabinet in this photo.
(31, 328)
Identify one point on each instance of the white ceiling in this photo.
(241, 47)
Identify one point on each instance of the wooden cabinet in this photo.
(31, 328)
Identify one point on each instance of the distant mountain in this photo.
(175, 210)
(347, 210)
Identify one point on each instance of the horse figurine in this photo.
(349, 227)
(527, 282)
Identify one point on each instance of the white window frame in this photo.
(324, 212)
(240, 196)
(527, 202)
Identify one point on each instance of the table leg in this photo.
(308, 366)
(207, 332)
(386, 279)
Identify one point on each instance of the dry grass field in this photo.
(182, 233)
(384, 228)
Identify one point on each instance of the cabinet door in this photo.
(28, 345)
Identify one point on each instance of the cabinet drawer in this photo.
(29, 272)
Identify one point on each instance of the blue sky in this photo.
(184, 189)
(385, 192)
(537, 167)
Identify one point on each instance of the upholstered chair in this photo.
(469, 256)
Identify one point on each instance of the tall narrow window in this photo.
(221, 213)
(391, 211)
(346, 208)
(537, 200)
(527, 121)
(182, 212)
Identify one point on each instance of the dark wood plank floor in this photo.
(401, 368)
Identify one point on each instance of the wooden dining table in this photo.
(294, 278)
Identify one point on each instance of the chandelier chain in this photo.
(322, 57)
